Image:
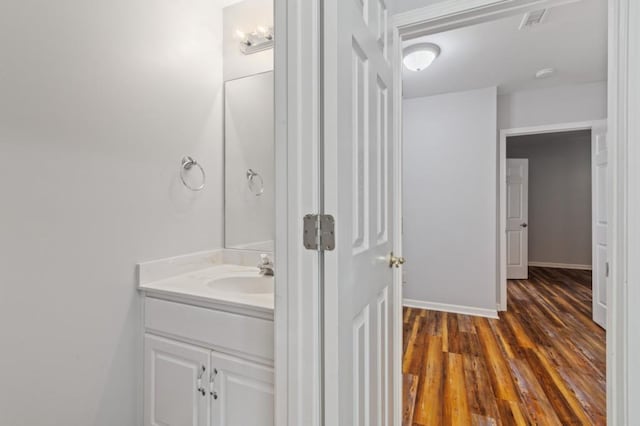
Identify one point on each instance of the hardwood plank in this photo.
(409, 389)
(465, 325)
(481, 397)
(453, 334)
(444, 331)
(560, 405)
(535, 400)
(542, 362)
(477, 420)
(511, 413)
(456, 406)
(470, 344)
(429, 405)
(562, 387)
(415, 345)
(499, 373)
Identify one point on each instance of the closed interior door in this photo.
(360, 319)
(517, 218)
(600, 184)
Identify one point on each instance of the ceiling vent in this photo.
(533, 18)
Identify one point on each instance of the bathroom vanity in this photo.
(208, 340)
(208, 317)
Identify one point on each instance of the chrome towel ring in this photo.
(251, 181)
(187, 164)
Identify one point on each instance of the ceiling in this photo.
(399, 6)
(572, 39)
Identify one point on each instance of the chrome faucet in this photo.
(265, 266)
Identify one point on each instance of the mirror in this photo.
(249, 163)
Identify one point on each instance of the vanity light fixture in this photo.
(419, 56)
(257, 41)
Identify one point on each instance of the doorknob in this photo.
(523, 225)
(395, 261)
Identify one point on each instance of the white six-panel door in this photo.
(517, 218)
(358, 154)
(600, 179)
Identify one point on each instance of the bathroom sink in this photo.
(243, 284)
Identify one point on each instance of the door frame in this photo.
(298, 179)
(298, 115)
(502, 189)
(623, 376)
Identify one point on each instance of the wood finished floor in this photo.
(541, 363)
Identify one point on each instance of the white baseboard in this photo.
(560, 265)
(454, 309)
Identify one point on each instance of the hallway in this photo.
(542, 362)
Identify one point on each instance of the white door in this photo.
(175, 381)
(517, 218)
(600, 179)
(241, 392)
(360, 319)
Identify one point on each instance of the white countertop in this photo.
(193, 287)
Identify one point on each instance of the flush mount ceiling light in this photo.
(419, 56)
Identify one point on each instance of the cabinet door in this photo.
(173, 374)
(242, 392)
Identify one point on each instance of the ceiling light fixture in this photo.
(419, 56)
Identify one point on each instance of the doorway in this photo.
(452, 347)
(430, 19)
(569, 213)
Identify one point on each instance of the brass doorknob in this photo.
(395, 261)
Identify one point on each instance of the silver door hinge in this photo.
(319, 232)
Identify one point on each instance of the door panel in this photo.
(517, 218)
(242, 392)
(171, 396)
(358, 184)
(600, 182)
(384, 386)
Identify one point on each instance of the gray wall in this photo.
(99, 101)
(449, 171)
(559, 195)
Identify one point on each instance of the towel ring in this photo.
(251, 176)
(187, 164)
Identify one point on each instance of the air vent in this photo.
(533, 18)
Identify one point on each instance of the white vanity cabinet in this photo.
(205, 367)
(242, 392)
(172, 374)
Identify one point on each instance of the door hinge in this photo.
(319, 232)
(606, 272)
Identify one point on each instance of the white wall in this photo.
(99, 102)
(563, 104)
(246, 16)
(450, 164)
